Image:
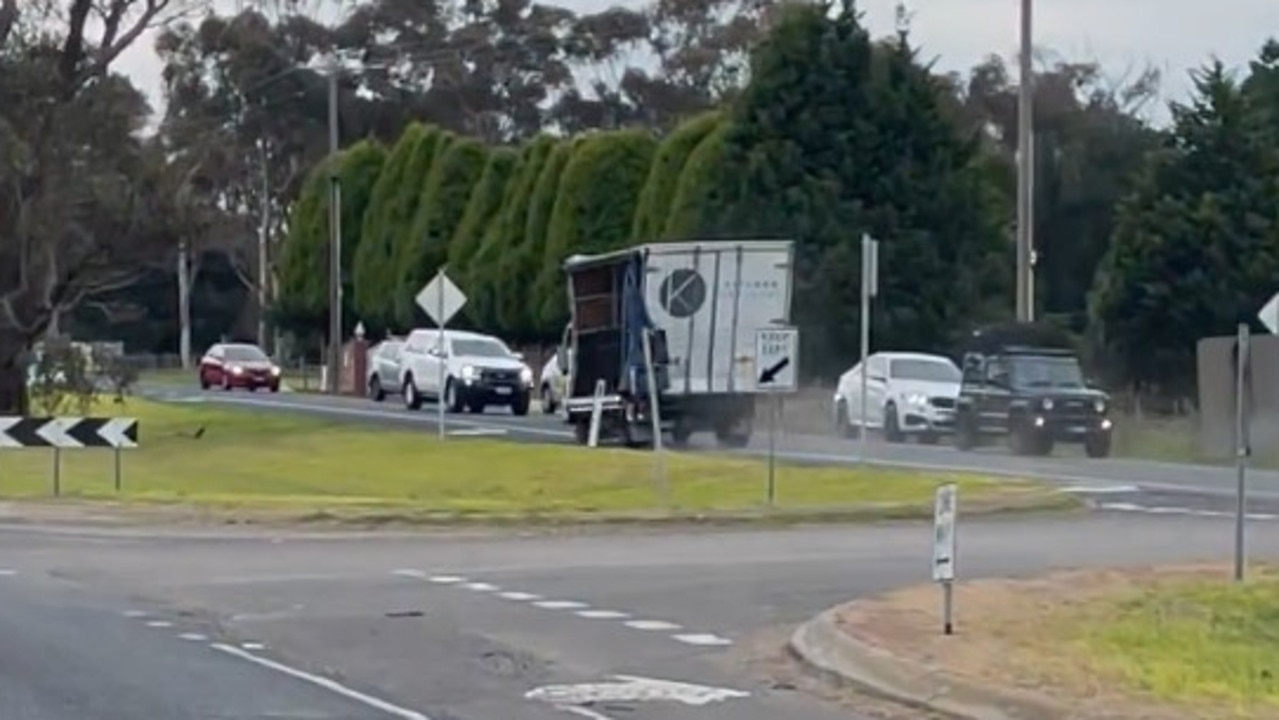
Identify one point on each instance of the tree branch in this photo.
(8, 19)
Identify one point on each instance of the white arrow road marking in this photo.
(703, 639)
(632, 688)
(114, 432)
(55, 432)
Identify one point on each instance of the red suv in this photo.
(238, 365)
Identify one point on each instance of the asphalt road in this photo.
(1119, 485)
(233, 624)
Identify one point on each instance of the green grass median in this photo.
(301, 466)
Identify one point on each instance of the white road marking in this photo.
(160, 624)
(560, 604)
(480, 587)
(583, 712)
(602, 614)
(1163, 510)
(519, 596)
(478, 432)
(446, 579)
(1100, 489)
(632, 688)
(8, 572)
(194, 637)
(415, 574)
(253, 646)
(651, 625)
(326, 683)
(703, 639)
(134, 614)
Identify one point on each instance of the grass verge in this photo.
(306, 467)
(1179, 642)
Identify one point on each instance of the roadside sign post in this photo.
(945, 509)
(777, 358)
(869, 289)
(440, 299)
(1242, 394)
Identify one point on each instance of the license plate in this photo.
(503, 391)
(1079, 429)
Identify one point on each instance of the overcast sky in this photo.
(1124, 35)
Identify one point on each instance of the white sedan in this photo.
(907, 394)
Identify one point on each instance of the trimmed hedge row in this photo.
(501, 220)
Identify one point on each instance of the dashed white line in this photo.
(160, 624)
(8, 572)
(661, 625)
(1100, 489)
(519, 596)
(416, 574)
(1164, 510)
(480, 587)
(193, 637)
(703, 639)
(326, 683)
(134, 614)
(602, 614)
(446, 579)
(253, 646)
(560, 604)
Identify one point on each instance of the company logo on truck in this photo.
(682, 293)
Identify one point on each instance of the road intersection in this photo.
(603, 624)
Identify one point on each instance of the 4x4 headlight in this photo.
(916, 399)
(1099, 405)
(1047, 404)
(526, 376)
(468, 372)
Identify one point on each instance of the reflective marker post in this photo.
(945, 510)
(870, 288)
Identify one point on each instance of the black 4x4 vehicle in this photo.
(1022, 381)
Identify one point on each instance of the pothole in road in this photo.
(505, 664)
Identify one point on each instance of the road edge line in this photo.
(331, 685)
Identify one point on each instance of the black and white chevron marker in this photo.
(68, 432)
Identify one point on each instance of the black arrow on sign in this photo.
(770, 373)
(24, 432)
(85, 432)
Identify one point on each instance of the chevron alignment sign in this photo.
(68, 432)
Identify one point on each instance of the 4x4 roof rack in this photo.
(1020, 338)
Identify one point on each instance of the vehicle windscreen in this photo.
(925, 370)
(480, 348)
(1047, 372)
(245, 353)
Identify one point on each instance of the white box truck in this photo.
(700, 304)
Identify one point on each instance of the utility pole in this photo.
(264, 230)
(335, 239)
(184, 304)
(1025, 171)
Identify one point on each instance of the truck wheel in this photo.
(452, 398)
(1097, 446)
(681, 433)
(892, 431)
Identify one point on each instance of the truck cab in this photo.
(1023, 383)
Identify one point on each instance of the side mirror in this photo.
(517, 355)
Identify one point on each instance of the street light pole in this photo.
(1025, 170)
(335, 239)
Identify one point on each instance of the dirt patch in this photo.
(1030, 634)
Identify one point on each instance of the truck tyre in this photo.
(412, 400)
(681, 433)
